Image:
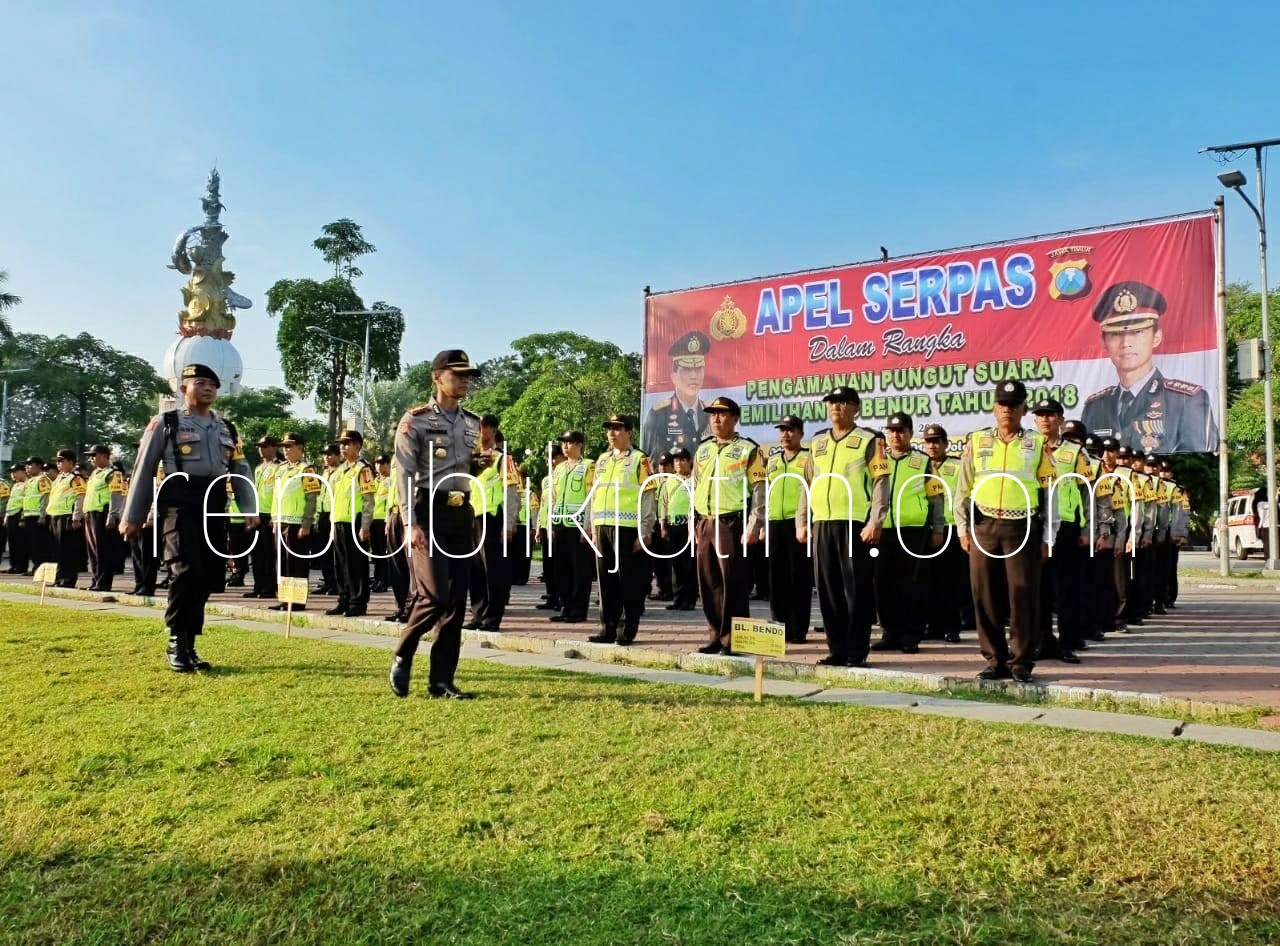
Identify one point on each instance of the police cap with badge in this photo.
(201, 371)
(724, 405)
(898, 421)
(1129, 307)
(690, 350)
(1074, 431)
(456, 360)
(790, 422)
(1011, 393)
(842, 395)
(935, 432)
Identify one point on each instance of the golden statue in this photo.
(209, 303)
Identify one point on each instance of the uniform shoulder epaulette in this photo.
(775, 450)
(1182, 387)
(750, 441)
(420, 409)
(469, 413)
(1103, 393)
(706, 438)
(819, 433)
(663, 405)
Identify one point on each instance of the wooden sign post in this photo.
(762, 639)
(46, 575)
(291, 591)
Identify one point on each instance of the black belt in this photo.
(723, 517)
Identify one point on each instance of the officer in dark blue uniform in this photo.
(1145, 411)
(681, 419)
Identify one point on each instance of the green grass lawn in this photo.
(288, 797)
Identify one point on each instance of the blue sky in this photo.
(531, 167)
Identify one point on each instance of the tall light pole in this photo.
(4, 414)
(1236, 181)
(317, 330)
(364, 372)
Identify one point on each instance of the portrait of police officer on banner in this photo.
(1145, 411)
(681, 419)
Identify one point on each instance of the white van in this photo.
(1244, 534)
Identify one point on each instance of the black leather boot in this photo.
(179, 655)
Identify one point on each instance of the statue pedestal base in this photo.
(218, 353)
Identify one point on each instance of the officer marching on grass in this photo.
(197, 447)
(1006, 531)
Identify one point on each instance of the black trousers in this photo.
(575, 570)
(521, 554)
(1171, 583)
(723, 582)
(378, 550)
(550, 570)
(1160, 572)
(328, 574)
(1062, 590)
(1006, 590)
(624, 580)
(291, 565)
(17, 542)
(790, 580)
(661, 566)
(398, 563)
(491, 577)
(196, 570)
(147, 554)
(1138, 605)
(759, 570)
(263, 557)
(351, 565)
(947, 577)
(69, 537)
(845, 588)
(901, 595)
(237, 546)
(101, 545)
(1100, 591)
(39, 541)
(439, 587)
(684, 567)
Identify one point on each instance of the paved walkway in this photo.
(569, 660)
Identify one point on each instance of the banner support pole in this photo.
(1224, 448)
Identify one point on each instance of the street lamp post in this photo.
(1236, 181)
(4, 413)
(317, 330)
(364, 372)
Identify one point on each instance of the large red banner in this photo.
(1117, 323)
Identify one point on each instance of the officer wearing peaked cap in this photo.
(1145, 410)
(681, 419)
(194, 441)
(66, 515)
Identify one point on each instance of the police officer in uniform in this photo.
(1145, 411)
(353, 489)
(13, 521)
(297, 487)
(680, 420)
(195, 441)
(677, 532)
(656, 544)
(912, 528)
(324, 540)
(1005, 589)
(571, 552)
(66, 518)
(622, 510)
(947, 573)
(263, 556)
(397, 548)
(437, 448)
(729, 484)
(1097, 564)
(378, 535)
(103, 504)
(495, 497)
(550, 581)
(790, 569)
(848, 499)
(35, 516)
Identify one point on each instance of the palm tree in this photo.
(7, 301)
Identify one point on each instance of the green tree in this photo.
(1246, 431)
(388, 400)
(7, 301)
(78, 391)
(341, 244)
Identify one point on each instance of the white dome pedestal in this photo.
(218, 353)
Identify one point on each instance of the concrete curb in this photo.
(1034, 694)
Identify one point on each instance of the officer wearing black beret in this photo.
(681, 419)
(1145, 410)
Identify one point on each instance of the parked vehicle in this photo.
(1246, 524)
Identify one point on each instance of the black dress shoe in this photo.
(607, 635)
(834, 661)
(1159, 609)
(340, 609)
(357, 612)
(1022, 675)
(575, 619)
(557, 618)
(496, 628)
(392, 617)
(251, 594)
(1067, 657)
(711, 648)
(197, 662)
(951, 637)
(911, 648)
(471, 626)
(448, 691)
(547, 606)
(856, 662)
(883, 645)
(179, 657)
(994, 673)
(399, 677)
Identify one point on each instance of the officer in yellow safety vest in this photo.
(1179, 530)
(571, 550)
(5, 491)
(293, 513)
(677, 531)
(397, 546)
(847, 501)
(495, 497)
(378, 534)
(263, 556)
(1001, 510)
(67, 519)
(353, 489)
(1139, 597)
(1164, 487)
(103, 504)
(790, 569)
(657, 545)
(946, 574)
(912, 528)
(1062, 575)
(13, 521)
(729, 486)
(237, 540)
(1107, 516)
(324, 540)
(550, 579)
(519, 550)
(35, 516)
(622, 510)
